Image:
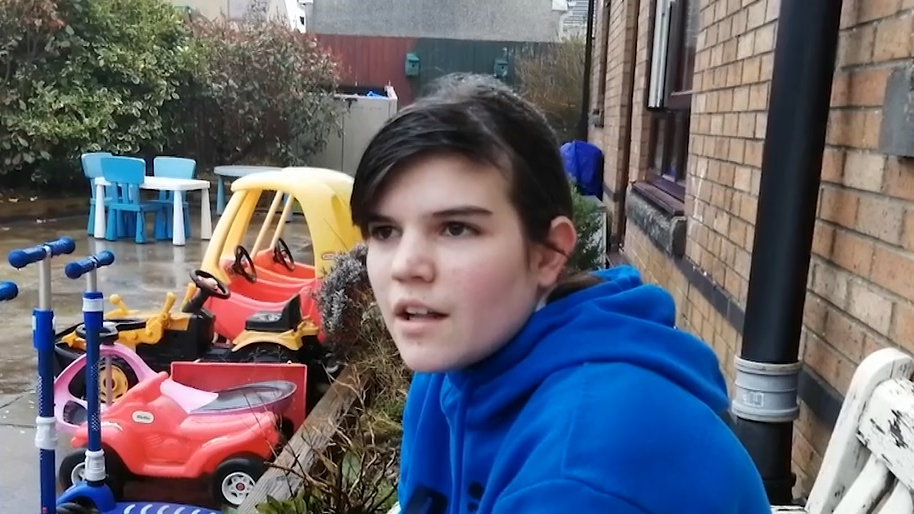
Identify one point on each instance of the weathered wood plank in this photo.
(867, 490)
(283, 479)
(846, 454)
(899, 502)
(887, 429)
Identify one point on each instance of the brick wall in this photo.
(615, 133)
(861, 280)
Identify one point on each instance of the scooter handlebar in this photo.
(23, 257)
(79, 268)
(8, 291)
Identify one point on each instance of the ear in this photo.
(550, 263)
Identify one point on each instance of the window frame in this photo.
(669, 109)
(597, 113)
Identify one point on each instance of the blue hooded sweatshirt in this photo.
(599, 405)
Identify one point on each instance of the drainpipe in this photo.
(584, 121)
(767, 370)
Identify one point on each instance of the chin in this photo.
(419, 362)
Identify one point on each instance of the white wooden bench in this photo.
(868, 467)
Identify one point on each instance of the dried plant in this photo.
(553, 80)
(358, 472)
(356, 333)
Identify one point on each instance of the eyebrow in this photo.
(467, 210)
(464, 210)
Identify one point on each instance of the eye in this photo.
(381, 232)
(457, 229)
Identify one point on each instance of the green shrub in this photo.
(83, 75)
(141, 77)
(264, 96)
(588, 219)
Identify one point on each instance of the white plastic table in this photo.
(233, 171)
(165, 184)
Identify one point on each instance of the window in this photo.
(601, 21)
(669, 95)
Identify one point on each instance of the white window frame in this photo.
(657, 82)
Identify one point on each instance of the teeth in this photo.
(416, 311)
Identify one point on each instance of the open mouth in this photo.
(419, 314)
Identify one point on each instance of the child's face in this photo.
(448, 263)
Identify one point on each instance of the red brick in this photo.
(880, 217)
(867, 86)
(756, 15)
(863, 170)
(893, 38)
(899, 178)
(907, 231)
(856, 46)
(830, 283)
(869, 306)
(823, 239)
(839, 206)
(827, 362)
(852, 252)
(833, 165)
(893, 270)
(844, 334)
(903, 325)
(874, 9)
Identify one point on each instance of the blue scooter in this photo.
(92, 495)
(43, 341)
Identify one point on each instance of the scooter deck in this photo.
(157, 508)
(104, 502)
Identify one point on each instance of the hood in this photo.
(620, 320)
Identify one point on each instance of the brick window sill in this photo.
(658, 215)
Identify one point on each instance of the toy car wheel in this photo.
(75, 508)
(235, 477)
(73, 466)
(123, 377)
(265, 352)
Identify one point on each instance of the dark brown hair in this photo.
(481, 119)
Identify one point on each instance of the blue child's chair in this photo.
(126, 174)
(174, 167)
(92, 169)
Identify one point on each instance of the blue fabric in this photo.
(584, 163)
(598, 405)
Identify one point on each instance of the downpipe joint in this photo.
(766, 392)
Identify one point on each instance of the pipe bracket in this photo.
(766, 392)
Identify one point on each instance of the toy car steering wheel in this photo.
(241, 268)
(207, 286)
(212, 286)
(283, 255)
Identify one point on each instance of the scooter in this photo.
(43, 341)
(92, 495)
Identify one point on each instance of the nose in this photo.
(413, 259)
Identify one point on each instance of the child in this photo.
(535, 390)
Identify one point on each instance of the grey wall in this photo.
(488, 20)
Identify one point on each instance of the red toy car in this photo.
(253, 293)
(161, 428)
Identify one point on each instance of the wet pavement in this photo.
(141, 275)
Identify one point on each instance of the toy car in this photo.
(270, 314)
(161, 428)
(157, 337)
(264, 277)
